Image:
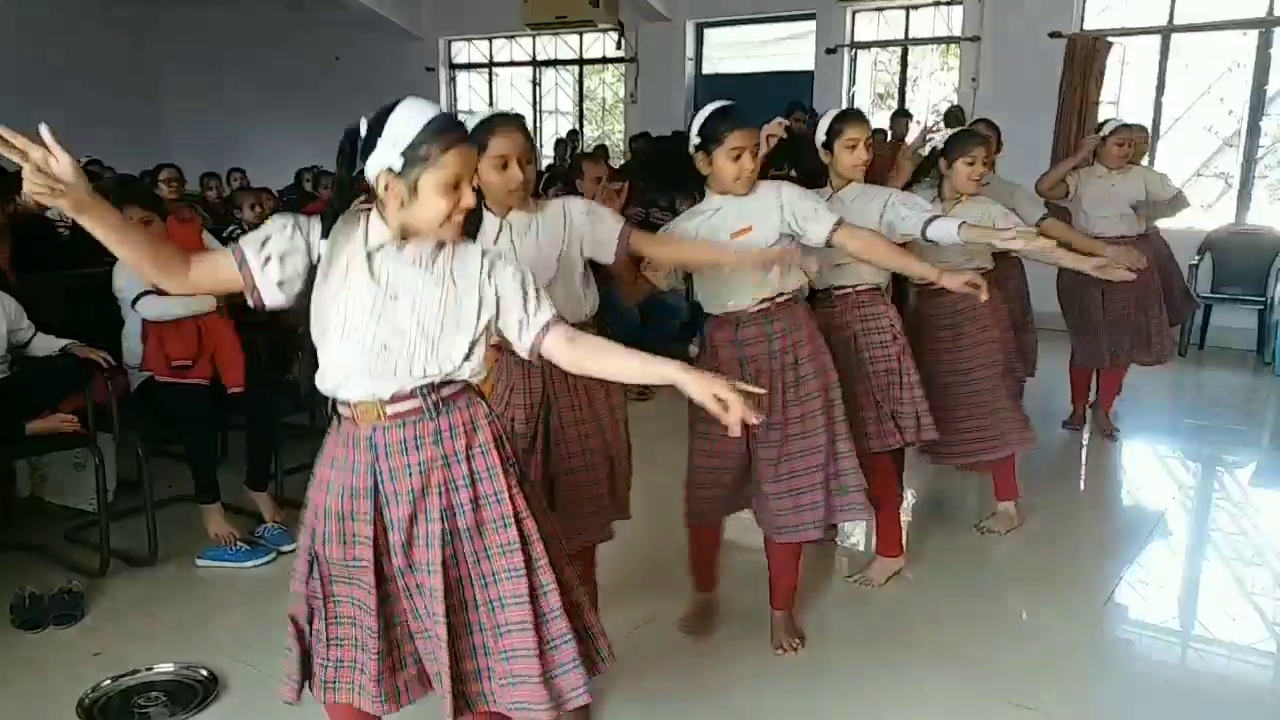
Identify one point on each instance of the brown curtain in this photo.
(1084, 62)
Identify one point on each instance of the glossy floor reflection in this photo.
(1146, 584)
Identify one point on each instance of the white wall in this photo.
(64, 63)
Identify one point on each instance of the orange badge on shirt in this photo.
(741, 233)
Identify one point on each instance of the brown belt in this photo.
(412, 403)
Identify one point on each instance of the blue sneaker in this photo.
(236, 555)
(276, 536)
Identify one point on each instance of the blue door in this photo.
(759, 63)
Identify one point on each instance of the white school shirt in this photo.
(899, 216)
(1104, 202)
(140, 300)
(388, 317)
(775, 213)
(1028, 206)
(554, 240)
(21, 335)
(977, 210)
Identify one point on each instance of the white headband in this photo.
(824, 127)
(1110, 126)
(403, 125)
(939, 139)
(694, 127)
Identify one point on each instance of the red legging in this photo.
(783, 560)
(1110, 382)
(1004, 478)
(884, 472)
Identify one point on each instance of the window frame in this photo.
(452, 69)
(1266, 26)
(904, 44)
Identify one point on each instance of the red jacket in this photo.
(194, 349)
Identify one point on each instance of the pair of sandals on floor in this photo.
(33, 612)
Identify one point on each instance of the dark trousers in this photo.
(36, 387)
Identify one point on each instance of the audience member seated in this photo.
(38, 372)
(247, 206)
(213, 201)
(160, 330)
(324, 184)
(171, 185)
(270, 201)
(601, 152)
(237, 177)
(301, 192)
(555, 178)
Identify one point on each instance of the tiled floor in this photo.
(1146, 585)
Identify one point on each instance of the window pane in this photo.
(557, 106)
(604, 107)
(522, 48)
(568, 46)
(869, 26)
(513, 90)
(1206, 105)
(1264, 206)
(502, 49)
(593, 45)
(933, 77)
(875, 82)
(612, 47)
(471, 91)
(1104, 14)
(1129, 86)
(759, 47)
(937, 21)
(1198, 11)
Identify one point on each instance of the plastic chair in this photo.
(1244, 275)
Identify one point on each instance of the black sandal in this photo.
(28, 611)
(66, 605)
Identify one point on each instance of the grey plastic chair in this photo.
(1244, 276)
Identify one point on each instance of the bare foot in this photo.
(266, 505)
(1106, 427)
(785, 633)
(1074, 421)
(1003, 521)
(879, 572)
(699, 620)
(216, 525)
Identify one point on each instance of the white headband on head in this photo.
(695, 139)
(824, 127)
(939, 139)
(403, 125)
(1110, 126)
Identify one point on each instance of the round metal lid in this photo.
(169, 691)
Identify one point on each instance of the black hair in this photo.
(481, 135)
(573, 131)
(638, 140)
(993, 128)
(795, 159)
(322, 173)
(92, 161)
(845, 119)
(233, 170)
(793, 107)
(124, 194)
(901, 114)
(600, 150)
(147, 177)
(441, 134)
(240, 196)
(718, 126)
(209, 176)
(954, 117)
(960, 143)
(155, 171)
(10, 188)
(297, 175)
(881, 132)
(559, 148)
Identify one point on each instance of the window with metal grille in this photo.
(1200, 75)
(557, 81)
(905, 56)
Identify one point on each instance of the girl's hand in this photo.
(93, 355)
(1126, 256)
(965, 282)
(771, 133)
(1103, 269)
(50, 175)
(720, 396)
(1088, 146)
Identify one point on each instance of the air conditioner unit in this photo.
(566, 14)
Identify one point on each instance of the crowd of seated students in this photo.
(190, 361)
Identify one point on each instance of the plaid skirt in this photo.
(798, 470)
(1127, 323)
(973, 376)
(883, 395)
(422, 567)
(571, 438)
(1011, 276)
